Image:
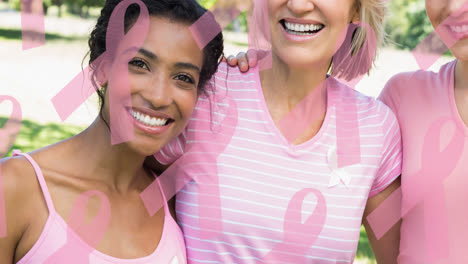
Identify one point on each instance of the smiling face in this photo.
(163, 77)
(450, 18)
(305, 33)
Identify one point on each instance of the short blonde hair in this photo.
(357, 57)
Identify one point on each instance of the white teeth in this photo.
(299, 28)
(152, 121)
(160, 122)
(459, 29)
(147, 120)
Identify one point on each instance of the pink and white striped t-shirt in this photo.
(258, 173)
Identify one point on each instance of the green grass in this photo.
(364, 251)
(34, 135)
(15, 34)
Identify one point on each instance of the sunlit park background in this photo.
(34, 76)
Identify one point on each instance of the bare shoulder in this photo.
(20, 186)
(19, 193)
(18, 175)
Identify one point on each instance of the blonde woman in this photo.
(264, 175)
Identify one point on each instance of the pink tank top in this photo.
(171, 248)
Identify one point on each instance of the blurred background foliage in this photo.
(406, 23)
(74, 7)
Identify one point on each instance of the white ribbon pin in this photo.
(175, 260)
(337, 174)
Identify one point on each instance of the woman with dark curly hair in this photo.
(166, 77)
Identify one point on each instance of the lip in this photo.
(298, 38)
(302, 21)
(157, 130)
(152, 113)
(456, 35)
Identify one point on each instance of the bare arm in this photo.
(386, 249)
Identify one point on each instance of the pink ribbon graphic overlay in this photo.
(206, 140)
(32, 24)
(92, 233)
(120, 48)
(431, 193)
(298, 237)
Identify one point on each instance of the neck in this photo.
(286, 86)
(117, 166)
(461, 75)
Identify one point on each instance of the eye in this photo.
(185, 78)
(139, 63)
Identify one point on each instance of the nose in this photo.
(159, 93)
(300, 6)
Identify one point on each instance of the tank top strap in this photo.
(40, 178)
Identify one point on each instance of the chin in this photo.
(144, 147)
(460, 51)
(300, 58)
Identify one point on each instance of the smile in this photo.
(459, 29)
(301, 29)
(148, 120)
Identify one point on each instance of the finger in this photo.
(252, 58)
(232, 61)
(240, 55)
(242, 62)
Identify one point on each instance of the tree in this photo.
(407, 24)
(81, 7)
(239, 24)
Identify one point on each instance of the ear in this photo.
(102, 73)
(356, 19)
(356, 16)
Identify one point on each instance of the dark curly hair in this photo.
(182, 11)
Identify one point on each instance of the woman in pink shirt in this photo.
(53, 193)
(432, 110)
(260, 164)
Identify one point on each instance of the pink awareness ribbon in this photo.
(390, 211)
(32, 24)
(298, 237)
(206, 140)
(120, 49)
(91, 234)
(426, 186)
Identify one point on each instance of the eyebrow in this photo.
(187, 66)
(148, 54)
